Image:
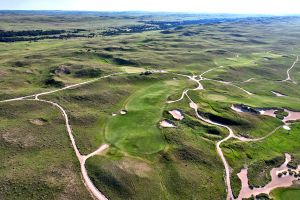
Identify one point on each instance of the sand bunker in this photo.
(39, 121)
(248, 109)
(177, 114)
(286, 127)
(167, 124)
(281, 177)
(245, 109)
(268, 112)
(123, 112)
(236, 108)
(278, 94)
(292, 116)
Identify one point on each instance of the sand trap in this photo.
(123, 112)
(278, 94)
(261, 111)
(277, 180)
(113, 114)
(286, 127)
(177, 114)
(39, 121)
(236, 108)
(292, 116)
(167, 124)
(268, 112)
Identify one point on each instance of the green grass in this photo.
(286, 194)
(144, 161)
(138, 131)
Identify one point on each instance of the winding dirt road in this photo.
(81, 158)
(289, 69)
(231, 134)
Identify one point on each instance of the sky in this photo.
(202, 6)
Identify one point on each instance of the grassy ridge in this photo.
(38, 161)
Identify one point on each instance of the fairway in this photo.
(286, 194)
(138, 131)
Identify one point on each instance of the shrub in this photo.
(90, 73)
(54, 83)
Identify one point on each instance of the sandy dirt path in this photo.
(61, 89)
(95, 193)
(289, 69)
(276, 181)
(231, 134)
(82, 159)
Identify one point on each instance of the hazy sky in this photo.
(204, 6)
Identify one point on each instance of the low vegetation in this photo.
(144, 160)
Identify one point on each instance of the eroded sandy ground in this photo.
(277, 181)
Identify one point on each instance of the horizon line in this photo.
(148, 11)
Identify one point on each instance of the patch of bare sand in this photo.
(38, 122)
(139, 168)
(3, 73)
(16, 137)
(167, 124)
(292, 116)
(66, 176)
(128, 69)
(177, 114)
(277, 181)
(278, 94)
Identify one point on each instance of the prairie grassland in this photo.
(144, 161)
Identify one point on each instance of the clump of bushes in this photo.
(121, 61)
(293, 164)
(89, 73)
(61, 70)
(19, 64)
(146, 73)
(281, 114)
(52, 82)
(262, 197)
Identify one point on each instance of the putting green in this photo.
(137, 131)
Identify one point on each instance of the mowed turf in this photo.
(138, 130)
(286, 194)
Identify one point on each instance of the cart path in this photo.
(231, 134)
(289, 69)
(61, 89)
(82, 158)
(95, 193)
